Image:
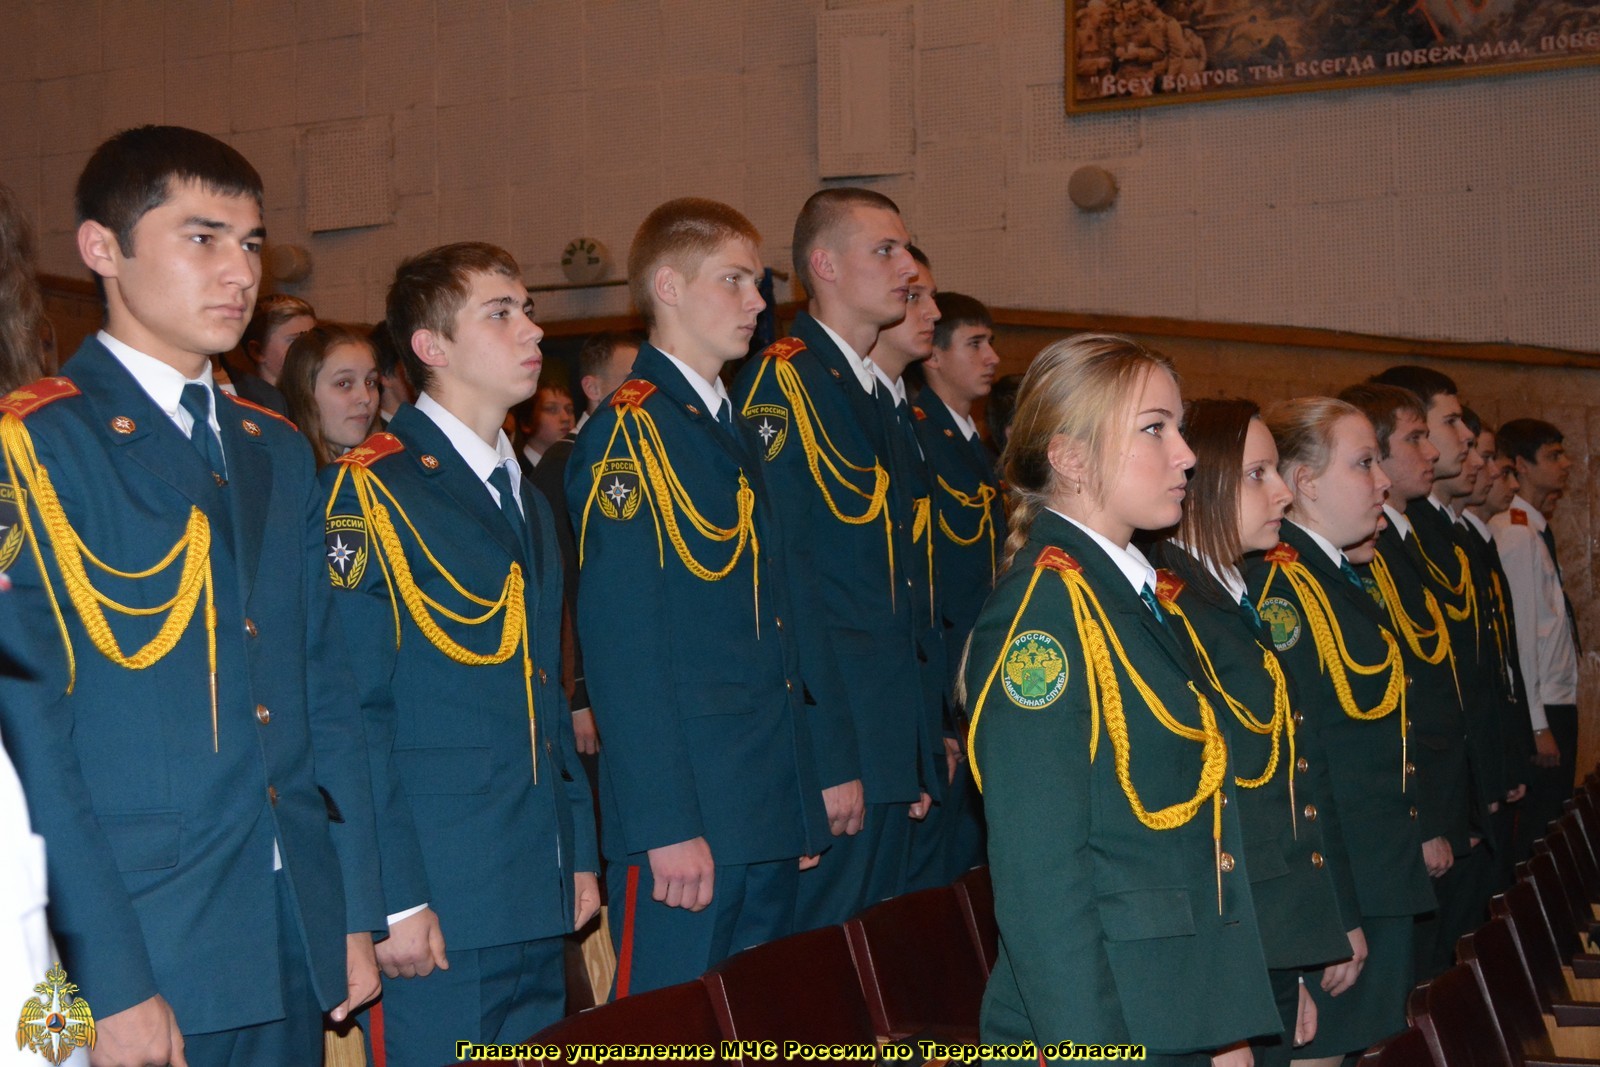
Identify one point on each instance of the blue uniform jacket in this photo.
(461, 821)
(161, 849)
(695, 682)
(857, 647)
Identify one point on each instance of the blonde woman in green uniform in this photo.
(1333, 641)
(1124, 906)
(1235, 505)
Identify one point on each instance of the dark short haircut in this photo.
(1422, 381)
(957, 310)
(1522, 438)
(594, 358)
(134, 171)
(428, 290)
(1472, 420)
(1382, 404)
(821, 216)
(1000, 407)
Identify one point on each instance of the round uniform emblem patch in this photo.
(1283, 622)
(1035, 670)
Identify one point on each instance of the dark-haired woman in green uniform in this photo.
(1333, 640)
(1235, 505)
(1120, 886)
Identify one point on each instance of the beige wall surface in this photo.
(1461, 210)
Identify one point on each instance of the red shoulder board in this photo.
(1282, 553)
(29, 398)
(1518, 516)
(253, 406)
(1168, 586)
(632, 394)
(787, 348)
(1057, 560)
(373, 449)
(917, 413)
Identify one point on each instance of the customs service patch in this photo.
(346, 538)
(617, 488)
(771, 423)
(1035, 670)
(12, 501)
(1283, 622)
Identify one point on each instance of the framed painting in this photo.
(1132, 53)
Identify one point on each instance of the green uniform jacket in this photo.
(968, 537)
(1446, 798)
(858, 650)
(1110, 931)
(1382, 839)
(1495, 600)
(1289, 819)
(1472, 642)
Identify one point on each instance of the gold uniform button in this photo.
(1411, 768)
(272, 795)
(1409, 680)
(1311, 814)
(1299, 719)
(1225, 862)
(788, 685)
(778, 621)
(1317, 861)
(250, 627)
(542, 679)
(1224, 797)
(1413, 813)
(1302, 765)
(263, 716)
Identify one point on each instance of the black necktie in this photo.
(725, 417)
(501, 481)
(196, 400)
(1350, 574)
(1548, 535)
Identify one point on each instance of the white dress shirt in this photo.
(858, 363)
(1398, 521)
(964, 423)
(1335, 556)
(713, 393)
(162, 383)
(1544, 643)
(1129, 560)
(481, 458)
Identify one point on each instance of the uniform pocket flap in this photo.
(1137, 914)
(441, 771)
(143, 841)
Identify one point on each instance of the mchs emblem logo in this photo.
(616, 484)
(346, 538)
(57, 1020)
(771, 423)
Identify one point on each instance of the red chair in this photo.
(799, 988)
(676, 1015)
(976, 893)
(919, 969)
(1408, 1048)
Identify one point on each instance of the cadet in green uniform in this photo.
(1349, 681)
(708, 787)
(812, 402)
(1235, 504)
(969, 528)
(1120, 888)
(448, 579)
(1452, 816)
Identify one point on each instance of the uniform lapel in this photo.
(863, 405)
(250, 485)
(453, 477)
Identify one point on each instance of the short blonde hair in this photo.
(680, 233)
(1303, 431)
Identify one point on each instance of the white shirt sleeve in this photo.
(1519, 554)
(397, 916)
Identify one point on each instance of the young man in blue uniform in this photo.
(968, 523)
(811, 400)
(708, 788)
(904, 345)
(193, 752)
(448, 579)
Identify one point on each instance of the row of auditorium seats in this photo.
(909, 969)
(1526, 989)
